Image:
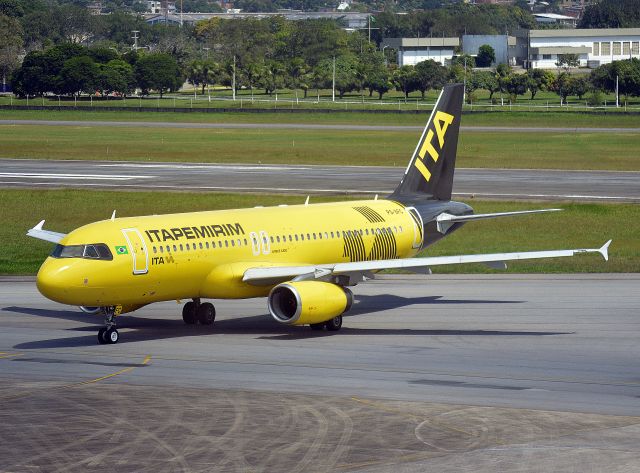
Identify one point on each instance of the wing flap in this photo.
(257, 275)
(46, 235)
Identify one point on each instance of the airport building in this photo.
(539, 49)
(593, 46)
(411, 51)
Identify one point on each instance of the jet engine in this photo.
(308, 302)
(90, 310)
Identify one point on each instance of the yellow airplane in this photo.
(302, 257)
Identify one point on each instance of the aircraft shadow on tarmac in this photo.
(143, 328)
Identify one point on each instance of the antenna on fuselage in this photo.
(376, 197)
(113, 216)
(306, 202)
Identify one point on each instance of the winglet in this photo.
(604, 251)
(46, 235)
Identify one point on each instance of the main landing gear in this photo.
(332, 325)
(109, 334)
(195, 311)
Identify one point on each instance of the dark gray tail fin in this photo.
(430, 171)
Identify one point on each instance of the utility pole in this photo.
(135, 40)
(181, 22)
(333, 83)
(617, 91)
(234, 78)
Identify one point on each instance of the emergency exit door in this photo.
(137, 249)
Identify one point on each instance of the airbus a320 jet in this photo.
(303, 258)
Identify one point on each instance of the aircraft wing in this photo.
(258, 276)
(39, 233)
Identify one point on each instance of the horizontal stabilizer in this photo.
(46, 235)
(444, 221)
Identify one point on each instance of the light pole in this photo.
(385, 57)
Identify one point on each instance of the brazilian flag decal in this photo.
(122, 250)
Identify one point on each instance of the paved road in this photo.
(598, 186)
(313, 126)
(439, 373)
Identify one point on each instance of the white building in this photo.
(411, 51)
(593, 46)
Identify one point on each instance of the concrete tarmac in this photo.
(429, 373)
(504, 184)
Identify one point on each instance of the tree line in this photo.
(70, 69)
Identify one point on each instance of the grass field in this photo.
(598, 151)
(579, 225)
(220, 97)
(475, 118)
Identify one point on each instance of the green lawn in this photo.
(497, 117)
(299, 146)
(578, 226)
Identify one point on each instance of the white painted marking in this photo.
(107, 177)
(545, 196)
(204, 166)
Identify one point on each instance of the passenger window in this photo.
(233, 243)
(272, 240)
(206, 245)
(162, 249)
(168, 249)
(314, 236)
(226, 243)
(332, 235)
(296, 237)
(174, 248)
(245, 242)
(201, 245)
(302, 236)
(181, 248)
(187, 247)
(278, 238)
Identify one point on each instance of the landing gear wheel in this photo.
(101, 339)
(316, 327)
(189, 313)
(206, 313)
(111, 336)
(334, 324)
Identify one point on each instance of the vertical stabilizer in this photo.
(430, 171)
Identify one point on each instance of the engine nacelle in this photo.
(90, 310)
(308, 302)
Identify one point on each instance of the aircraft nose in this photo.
(51, 280)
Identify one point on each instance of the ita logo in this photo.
(122, 250)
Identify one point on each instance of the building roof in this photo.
(573, 33)
(422, 42)
(562, 50)
(553, 16)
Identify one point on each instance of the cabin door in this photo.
(137, 249)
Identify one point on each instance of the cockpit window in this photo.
(94, 251)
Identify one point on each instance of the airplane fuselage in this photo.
(204, 254)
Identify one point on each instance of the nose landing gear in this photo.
(109, 334)
(194, 312)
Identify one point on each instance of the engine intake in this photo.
(308, 302)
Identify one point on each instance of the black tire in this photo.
(189, 313)
(317, 327)
(206, 313)
(334, 324)
(112, 336)
(101, 339)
